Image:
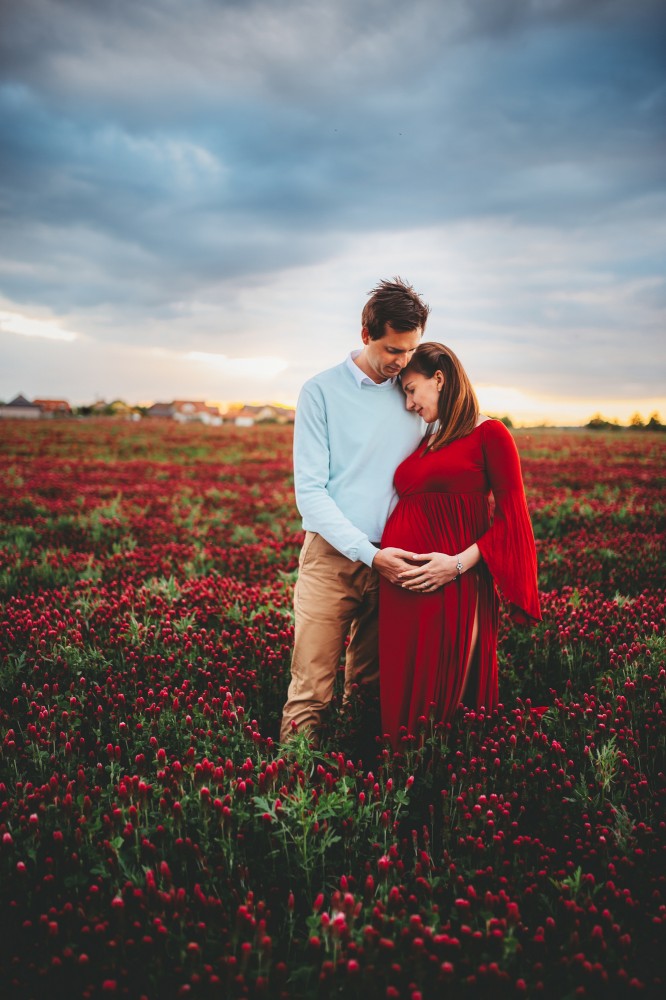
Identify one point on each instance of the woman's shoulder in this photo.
(492, 425)
(494, 430)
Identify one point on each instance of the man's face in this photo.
(385, 358)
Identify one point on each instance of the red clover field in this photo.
(155, 839)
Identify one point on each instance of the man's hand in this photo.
(392, 562)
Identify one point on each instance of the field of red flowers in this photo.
(155, 841)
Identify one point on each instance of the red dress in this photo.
(425, 639)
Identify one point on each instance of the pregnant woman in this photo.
(438, 627)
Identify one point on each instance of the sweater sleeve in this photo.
(508, 546)
(311, 476)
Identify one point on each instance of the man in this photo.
(352, 429)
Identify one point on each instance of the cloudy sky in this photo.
(197, 195)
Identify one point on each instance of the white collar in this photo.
(361, 377)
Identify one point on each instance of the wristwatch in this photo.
(459, 567)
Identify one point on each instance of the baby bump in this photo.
(442, 522)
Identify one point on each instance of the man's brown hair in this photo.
(396, 303)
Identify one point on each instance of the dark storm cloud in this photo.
(153, 153)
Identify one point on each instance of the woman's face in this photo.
(422, 394)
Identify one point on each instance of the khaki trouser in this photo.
(334, 597)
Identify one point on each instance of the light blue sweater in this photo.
(349, 437)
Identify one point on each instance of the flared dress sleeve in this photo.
(508, 546)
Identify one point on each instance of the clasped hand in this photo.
(433, 570)
(422, 573)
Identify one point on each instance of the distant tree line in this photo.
(636, 423)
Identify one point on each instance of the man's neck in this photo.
(361, 362)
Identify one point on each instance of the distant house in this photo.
(247, 416)
(20, 409)
(116, 408)
(164, 411)
(285, 415)
(186, 411)
(232, 411)
(53, 407)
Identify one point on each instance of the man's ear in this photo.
(365, 335)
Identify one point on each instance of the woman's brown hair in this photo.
(458, 407)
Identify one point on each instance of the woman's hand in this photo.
(434, 570)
